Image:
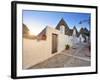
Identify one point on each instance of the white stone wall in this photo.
(33, 52)
(69, 40)
(81, 38)
(37, 51)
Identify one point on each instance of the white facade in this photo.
(62, 29)
(74, 33)
(81, 39)
(35, 51)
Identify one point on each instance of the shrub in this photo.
(67, 47)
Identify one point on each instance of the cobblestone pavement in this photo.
(74, 57)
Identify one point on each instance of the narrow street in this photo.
(74, 57)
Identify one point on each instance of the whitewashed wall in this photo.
(69, 40)
(33, 52)
(81, 38)
(37, 51)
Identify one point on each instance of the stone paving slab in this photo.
(55, 62)
(74, 62)
(67, 58)
(79, 53)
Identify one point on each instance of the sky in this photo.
(36, 21)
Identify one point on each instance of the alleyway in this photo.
(74, 57)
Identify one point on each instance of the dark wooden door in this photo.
(54, 43)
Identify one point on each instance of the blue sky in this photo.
(38, 20)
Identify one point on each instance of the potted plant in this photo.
(67, 47)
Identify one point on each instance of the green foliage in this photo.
(25, 29)
(67, 47)
(84, 31)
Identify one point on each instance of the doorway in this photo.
(54, 43)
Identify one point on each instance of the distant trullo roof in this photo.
(68, 31)
(62, 22)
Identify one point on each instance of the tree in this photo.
(84, 31)
(25, 29)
